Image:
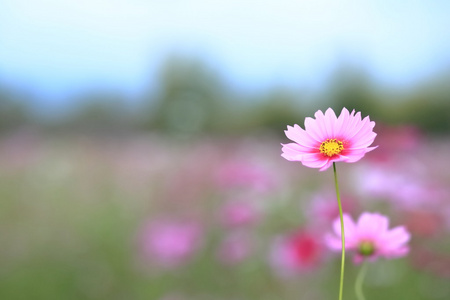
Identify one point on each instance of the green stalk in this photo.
(341, 284)
(359, 281)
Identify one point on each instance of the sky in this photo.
(57, 47)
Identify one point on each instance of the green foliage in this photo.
(191, 99)
(14, 109)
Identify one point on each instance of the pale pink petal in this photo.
(341, 121)
(396, 253)
(372, 224)
(314, 157)
(348, 130)
(353, 155)
(330, 121)
(332, 242)
(349, 230)
(293, 148)
(395, 237)
(321, 124)
(361, 129)
(364, 138)
(316, 163)
(314, 131)
(300, 136)
(326, 166)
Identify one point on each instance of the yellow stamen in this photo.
(331, 147)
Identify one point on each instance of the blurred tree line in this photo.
(191, 99)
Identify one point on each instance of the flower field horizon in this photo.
(149, 216)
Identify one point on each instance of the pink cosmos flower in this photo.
(291, 254)
(170, 243)
(327, 139)
(370, 237)
(238, 174)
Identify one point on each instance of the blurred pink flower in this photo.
(329, 139)
(235, 248)
(324, 208)
(239, 174)
(398, 140)
(239, 213)
(170, 243)
(424, 223)
(301, 251)
(370, 237)
(404, 188)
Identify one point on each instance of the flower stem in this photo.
(359, 281)
(341, 284)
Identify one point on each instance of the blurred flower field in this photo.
(155, 217)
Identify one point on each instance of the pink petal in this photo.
(321, 124)
(330, 121)
(395, 253)
(341, 120)
(326, 166)
(300, 136)
(361, 129)
(372, 225)
(294, 148)
(395, 237)
(315, 164)
(364, 136)
(349, 230)
(292, 152)
(333, 242)
(349, 128)
(313, 129)
(353, 155)
(311, 157)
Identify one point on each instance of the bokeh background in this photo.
(140, 146)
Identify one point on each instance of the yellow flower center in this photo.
(331, 147)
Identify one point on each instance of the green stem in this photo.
(341, 284)
(359, 281)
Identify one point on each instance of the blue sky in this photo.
(55, 47)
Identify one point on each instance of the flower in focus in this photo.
(170, 243)
(327, 139)
(370, 237)
(301, 251)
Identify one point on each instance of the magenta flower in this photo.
(370, 237)
(297, 252)
(329, 139)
